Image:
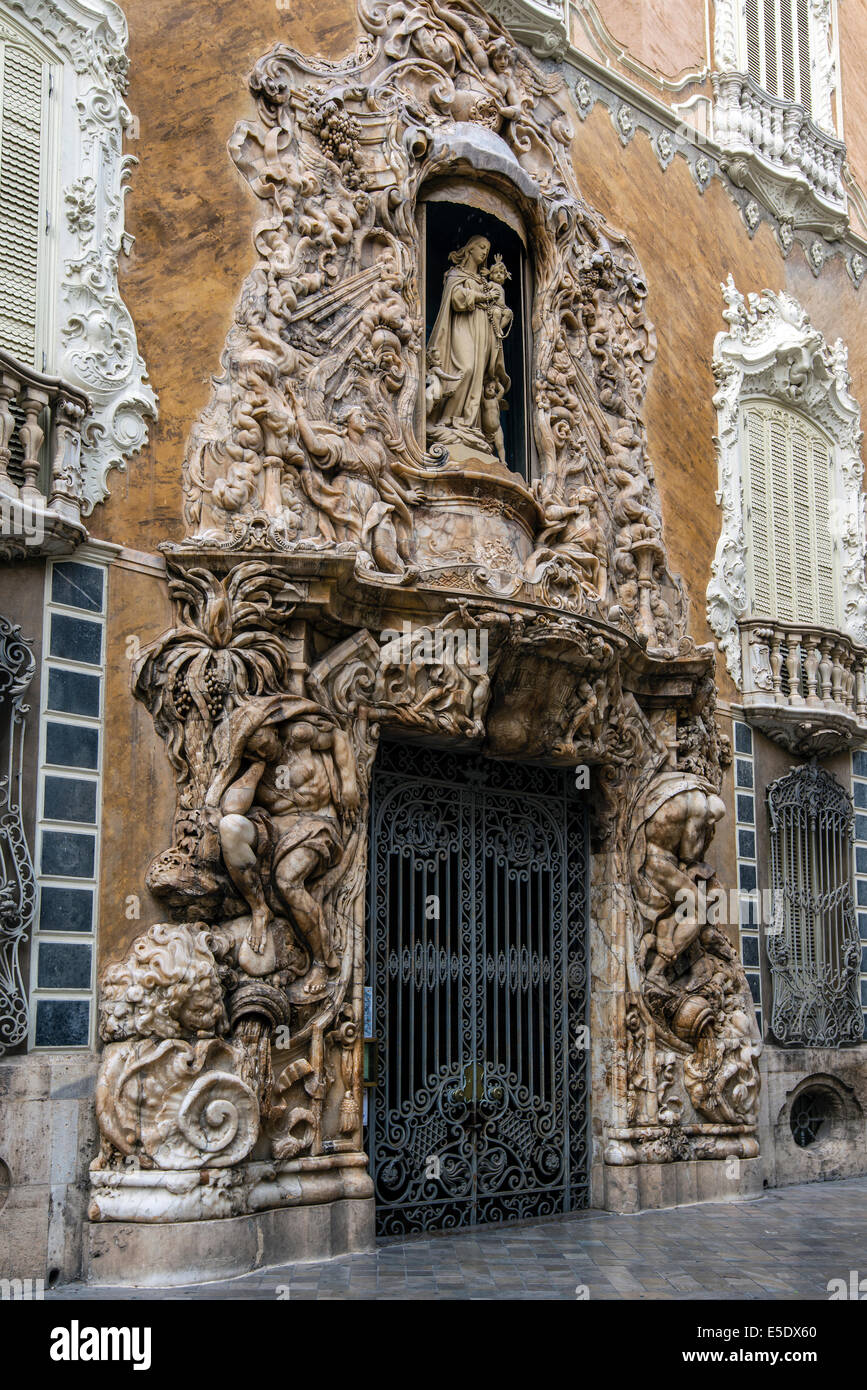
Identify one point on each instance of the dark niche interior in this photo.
(447, 227)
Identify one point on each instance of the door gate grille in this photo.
(477, 972)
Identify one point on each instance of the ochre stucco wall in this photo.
(192, 215)
(138, 781)
(667, 36)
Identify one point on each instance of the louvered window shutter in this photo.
(826, 596)
(758, 530)
(788, 491)
(23, 126)
(805, 92)
(754, 52)
(771, 45)
(778, 47)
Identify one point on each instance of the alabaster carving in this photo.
(288, 797)
(467, 379)
(334, 424)
(343, 574)
(694, 987)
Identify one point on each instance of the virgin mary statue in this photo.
(466, 375)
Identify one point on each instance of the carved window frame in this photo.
(89, 335)
(772, 352)
(730, 53)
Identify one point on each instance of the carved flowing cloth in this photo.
(466, 346)
(351, 505)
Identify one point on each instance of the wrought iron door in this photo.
(477, 969)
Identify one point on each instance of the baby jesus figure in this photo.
(499, 312)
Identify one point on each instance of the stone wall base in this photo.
(137, 1255)
(645, 1186)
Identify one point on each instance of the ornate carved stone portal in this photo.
(360, 554)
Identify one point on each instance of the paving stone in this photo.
(783, 1246)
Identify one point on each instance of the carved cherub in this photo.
(515, 101)
(492, 404)
(499, 313)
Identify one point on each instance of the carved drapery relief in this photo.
(772, 351)
(311, 441)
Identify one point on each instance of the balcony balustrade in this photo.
(804, 686)
(41, 422)
(772, 147)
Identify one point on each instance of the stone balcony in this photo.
(774, 149)
(41, 474)
(805, 687)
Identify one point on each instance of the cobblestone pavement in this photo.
(785, 1245)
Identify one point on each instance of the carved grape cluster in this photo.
(213, 692)
(181, 697)
(339, 135)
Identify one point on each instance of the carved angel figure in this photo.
(349, 478)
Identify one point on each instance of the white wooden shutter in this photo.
(771, 46)
(805, 91)
(778, 47)
(788, 491)
(23, 126)
(754, 47)
(758, 527)
(827, 606)
(780, 509)
(787, 52)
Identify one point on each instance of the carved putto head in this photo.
(498, 271)
(167, 986)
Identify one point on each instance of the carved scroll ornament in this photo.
(311, 443)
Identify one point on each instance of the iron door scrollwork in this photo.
(477, 958)
(17, 883)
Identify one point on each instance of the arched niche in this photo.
(450, 212)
